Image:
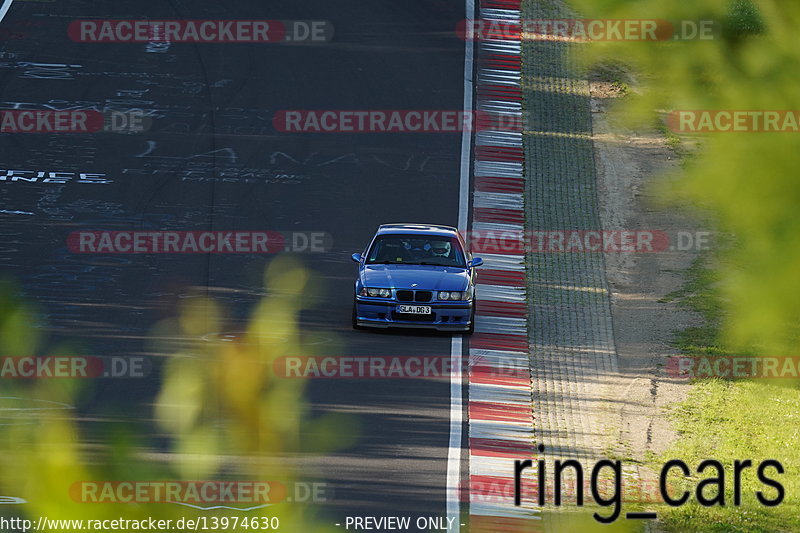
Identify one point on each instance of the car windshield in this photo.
(416, 250)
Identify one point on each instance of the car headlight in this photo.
(375, 292)
(457, 295)
(450, 295)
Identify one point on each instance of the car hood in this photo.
(425, 276)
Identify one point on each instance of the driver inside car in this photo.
(440, 249)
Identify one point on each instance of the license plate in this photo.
(414, 309)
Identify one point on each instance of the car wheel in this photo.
(471, 328)
(355, 318)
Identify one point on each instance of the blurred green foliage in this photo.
(746, 180)
(221, 411)
(729, 421)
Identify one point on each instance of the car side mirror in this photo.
(358, 258)
(476, 262)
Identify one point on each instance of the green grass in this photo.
(728, 421)
(700, 294)
(616, 72)
(673, 141)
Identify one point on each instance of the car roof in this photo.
(417, 229)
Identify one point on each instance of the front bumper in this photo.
(375, 313)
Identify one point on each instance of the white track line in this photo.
(4, 9)
(456, 346)
(454, 451)
(466, 135)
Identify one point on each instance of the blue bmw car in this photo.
(415, 276)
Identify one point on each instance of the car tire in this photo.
(471, 329)
(354, 319)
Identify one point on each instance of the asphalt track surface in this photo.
(214, 105)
